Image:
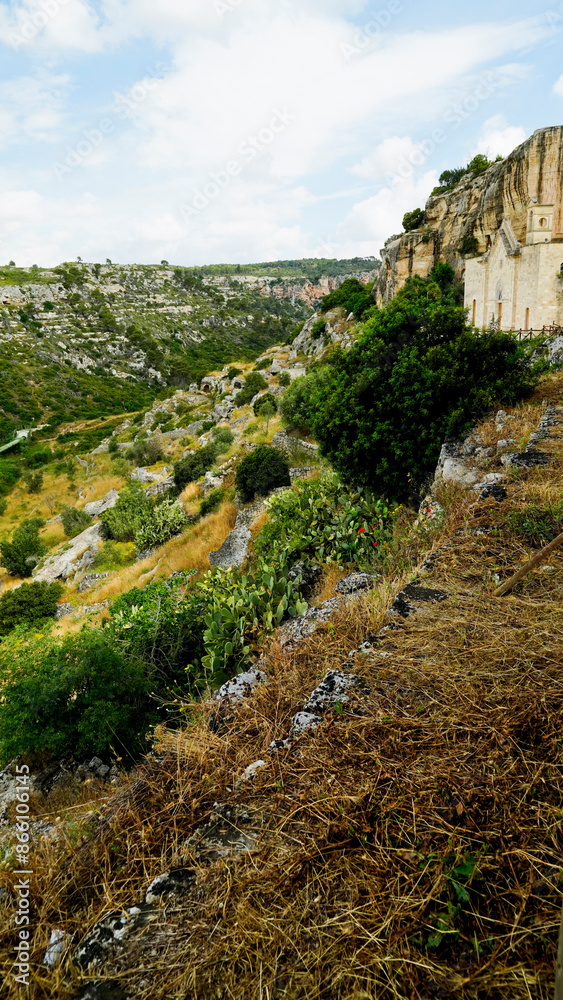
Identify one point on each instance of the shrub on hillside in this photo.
(162, 626)
(74, 696)
(322, 519)
(254, 383)
(29, 604)
(193, 466)
(261, 365)
(25, 549)
(295, 405)
(263, 470)
(242, 607)
(223, 438)
(417, 377)
(352, 295)
(284, 379)
(266, 399)
(146, 452)
(33, 481)
(74, 521)
(166, 520)
(131, 512)
(211, 502)
(413, 220)
(10, 472)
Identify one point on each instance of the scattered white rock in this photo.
(58, 942)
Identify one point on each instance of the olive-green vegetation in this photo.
(262, 470)
(29, 604)
(194, 465)
(74, 521)
(352, 295)
(449, 179)
(311, 268)
(267, 399)
(141, 519)
(20, 555)
(417, 376)
(413, 220)
(254, 383)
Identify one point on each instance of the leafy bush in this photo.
(193, 466)
(324, 520)
(167, 519)
(74, 696)
(413, 220)
(114, 555)
(37, 456)
(233, 372)
(28, 604)
(211, 502)
(295, 405)
(469, 244)
(131, 512)
(33, 481)
(3, 506)
(318, 328)
(253, 384)
(161, 626)
(263, 401)
(223, 438)
(264, 469)
(352, 295)
(113, 446)
(10, 472)
(146, 452)
(74, 521)
(417, 377)
(242, 607)
(25, 550)
(284, 378)
(262, 364)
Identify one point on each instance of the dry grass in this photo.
(408, 849)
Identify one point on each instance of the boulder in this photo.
(531, 459)
(77, 554)
(211, 483)
(111, 931)
(158, 489)
(98, 990)
(452, 465)
(172, 883)
(97, 507)
(233, 550)
(555, 349)
(142, 475)
(241, 686)
(90, 580)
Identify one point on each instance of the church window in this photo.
(543, 222)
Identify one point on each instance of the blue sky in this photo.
(203, 131)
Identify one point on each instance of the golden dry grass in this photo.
(407, 849)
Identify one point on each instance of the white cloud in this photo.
(558, 87)
(498, 138)
(31, 108)
(373, 220)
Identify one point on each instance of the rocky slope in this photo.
(87, 340)
(475, 208)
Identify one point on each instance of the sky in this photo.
(211, 131)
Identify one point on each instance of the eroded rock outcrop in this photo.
(531, 175)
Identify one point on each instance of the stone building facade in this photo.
(519, 286)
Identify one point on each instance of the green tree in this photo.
(266, 400)
(73, 696)
(25, 549)
(416, 378)
(74, 521)
(413, 220)
(254, 383)
(131, 512)
(28, 604)
(263, 470)
(194, 465)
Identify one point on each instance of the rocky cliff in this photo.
(475, 208)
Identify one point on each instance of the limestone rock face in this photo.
(531, 175)
(79, 554)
